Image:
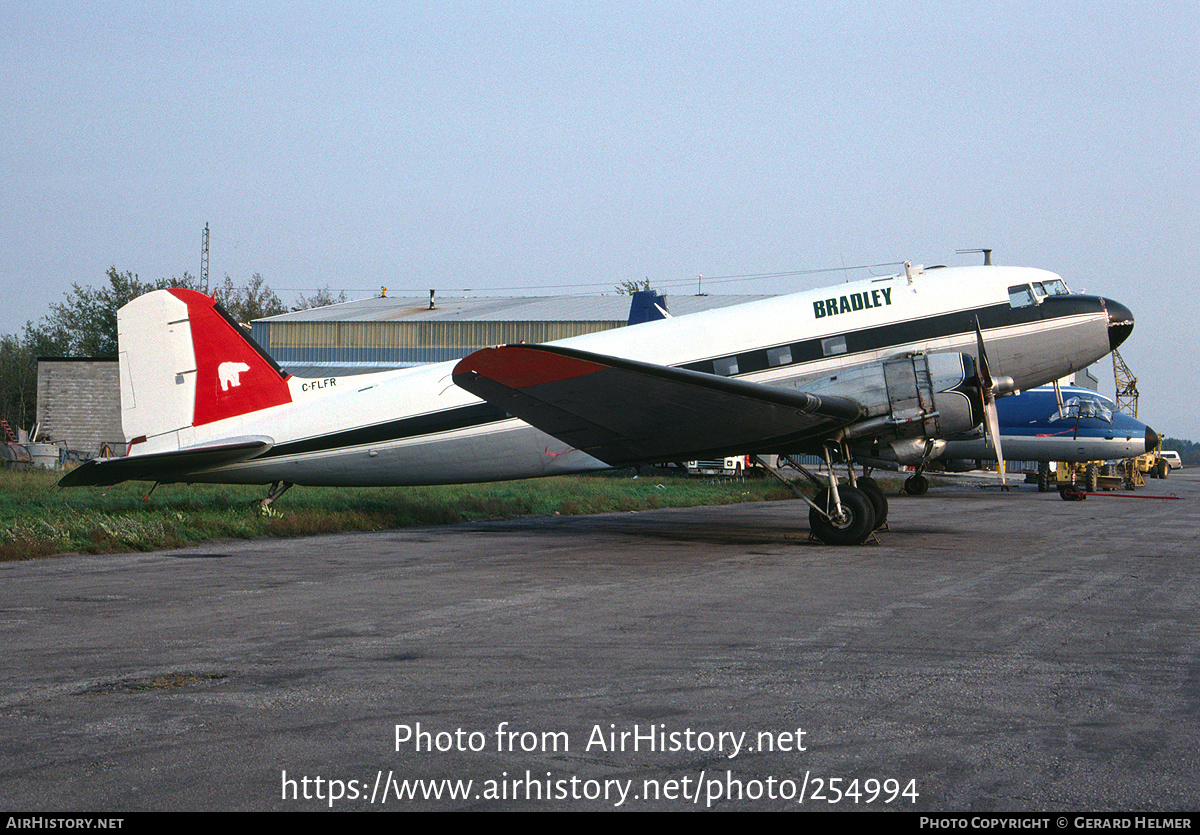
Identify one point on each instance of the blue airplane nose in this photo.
(1120, 322)
(1151, 439)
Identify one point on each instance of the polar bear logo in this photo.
(229, 374)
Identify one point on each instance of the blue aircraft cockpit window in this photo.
(1021, 296)
(1080, 408)
(1056, 287)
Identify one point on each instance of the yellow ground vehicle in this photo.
(1089, 476)
(1151, 464)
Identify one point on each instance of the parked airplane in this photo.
(884, 365)
(1031, 423)
(1073, 424)
(1084, 426)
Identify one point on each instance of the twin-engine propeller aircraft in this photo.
(882, 366)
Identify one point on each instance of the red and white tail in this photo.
(186, 364)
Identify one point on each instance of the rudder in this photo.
(185, 364)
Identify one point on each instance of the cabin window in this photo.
(779, 356)
(833, 346)
(1021, 296)
(726, 366)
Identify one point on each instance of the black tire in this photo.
(1044, 477)
(1163, 468)
(879, 502)
(1093, 477)
(916, 485)
(857, 525)
(1071, 493)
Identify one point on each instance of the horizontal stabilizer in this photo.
(626, 412)
(164, 466)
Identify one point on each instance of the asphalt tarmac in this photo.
(992, 652)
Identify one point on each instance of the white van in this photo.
(1172, 459)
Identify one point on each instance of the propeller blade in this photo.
(991, 417)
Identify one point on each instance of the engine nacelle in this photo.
(912, 401)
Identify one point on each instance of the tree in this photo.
(18, 381)
(323, 298)
(84, 324)
(628, 288)
(254, 301)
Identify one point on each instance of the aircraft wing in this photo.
(164, 466)
(626, 412)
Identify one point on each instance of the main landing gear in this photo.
(840, 514)
(847, 519)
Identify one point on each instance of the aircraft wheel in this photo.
(1071, 493)
(1093, 478)
(856, 524)
(879, 502)
(1044, 477)
(916, 485)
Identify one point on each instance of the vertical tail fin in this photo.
(185, 364)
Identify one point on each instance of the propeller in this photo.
(989, 387)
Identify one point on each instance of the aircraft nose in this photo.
(1120, 322)
(1151, 439)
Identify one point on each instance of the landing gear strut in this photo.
(840, 514)
(849, 522)
(278, 488)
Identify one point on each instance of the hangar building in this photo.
(383, 332)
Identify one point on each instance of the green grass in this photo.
(38, 518)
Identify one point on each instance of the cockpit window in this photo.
(1056, 287)
(1020, 296)
(1085, 406)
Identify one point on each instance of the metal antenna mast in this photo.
(204, 262)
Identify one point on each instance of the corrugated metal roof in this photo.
(614, 308)
(393, 332)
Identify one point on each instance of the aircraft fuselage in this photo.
(414, 426)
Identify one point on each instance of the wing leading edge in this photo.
(627, 412)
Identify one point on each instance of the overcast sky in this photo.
(567, 147)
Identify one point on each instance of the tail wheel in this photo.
(916, 485)
(879, 502)
(852, 526)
